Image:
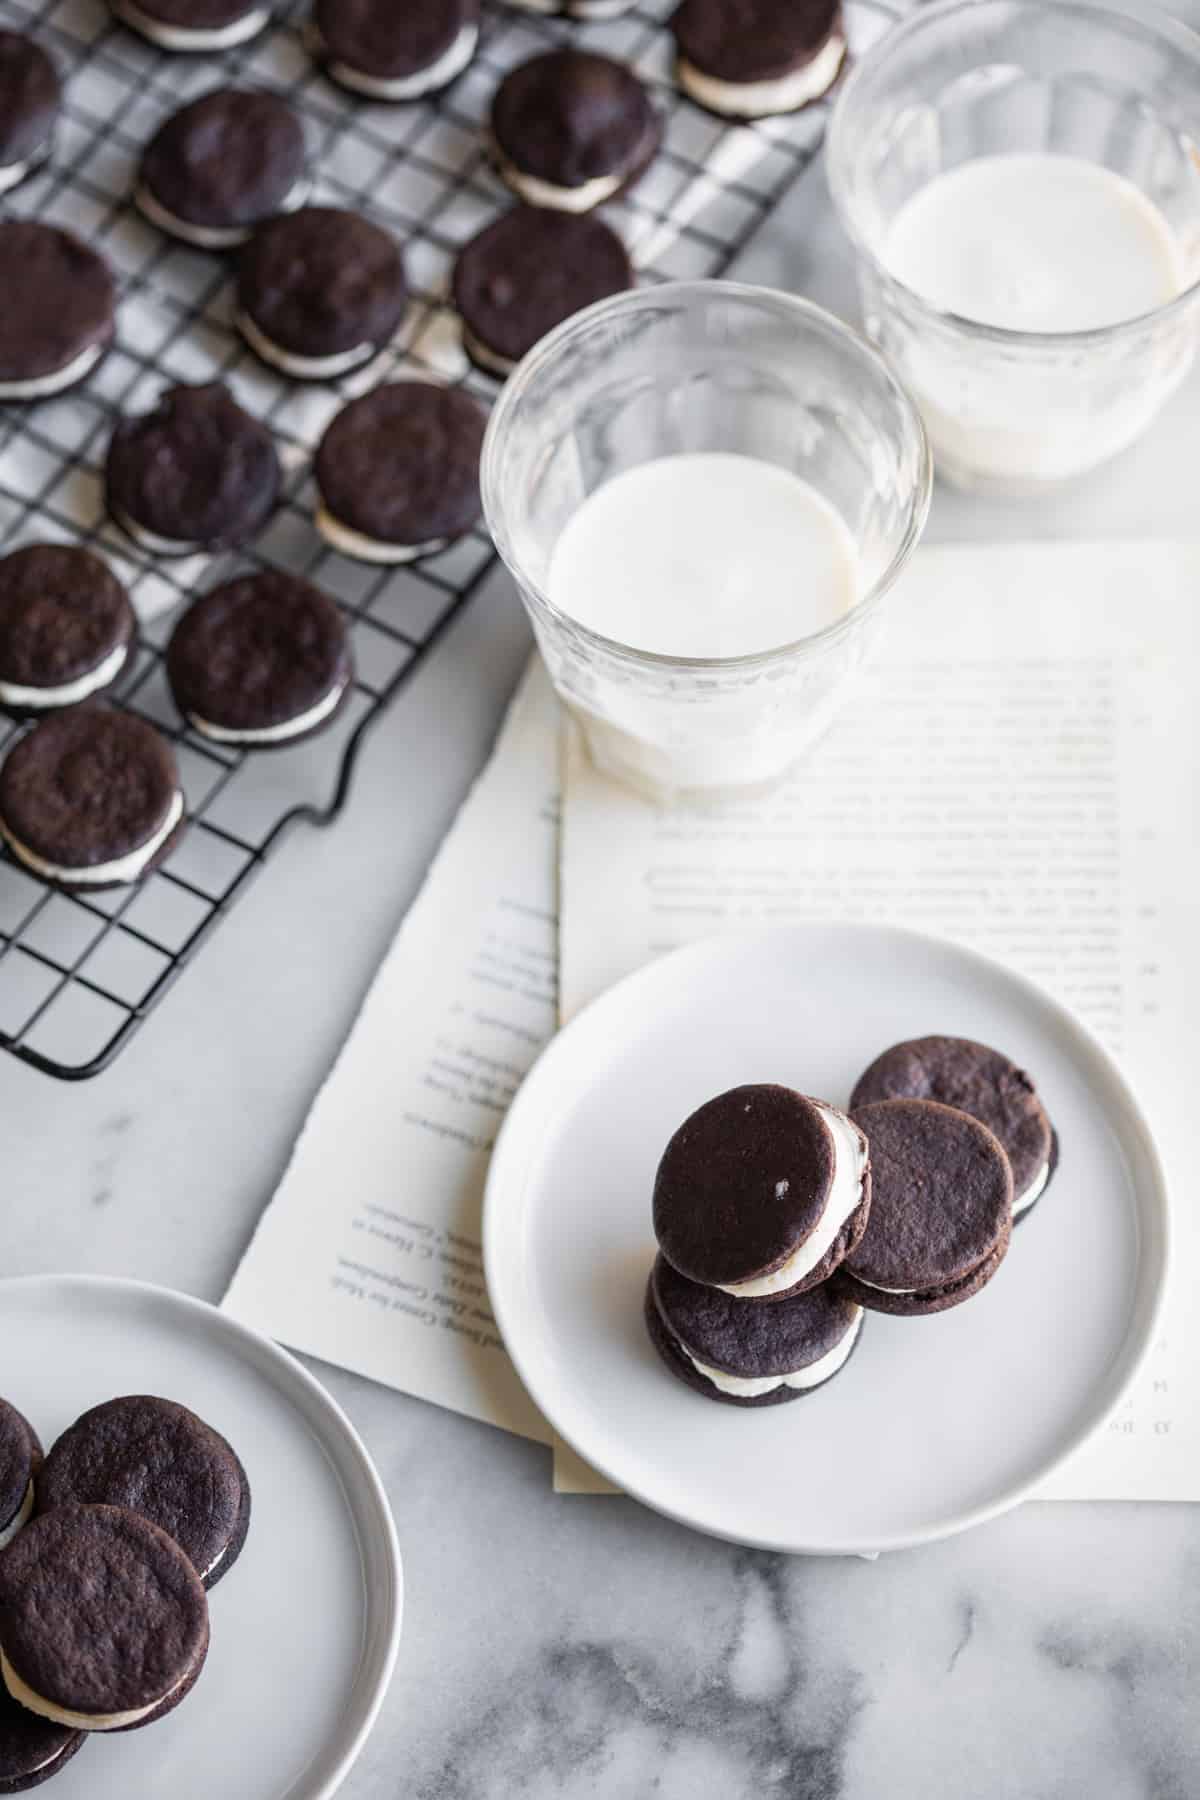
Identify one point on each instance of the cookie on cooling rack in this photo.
(57, 321)
(750, 59)
(30, 96)
(194, 27)
(394, 53)
(572, 129)
(221, 165)
(66, 627)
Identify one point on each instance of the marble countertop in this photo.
(558, 1648)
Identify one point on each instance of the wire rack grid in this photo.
(79, 974)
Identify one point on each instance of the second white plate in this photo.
(937, 1423)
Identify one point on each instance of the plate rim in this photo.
(391, 1601)
(712, 947)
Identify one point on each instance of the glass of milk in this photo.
(704, 492)
(1021, 181)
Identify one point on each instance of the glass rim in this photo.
(579, 325)
(1153, 24)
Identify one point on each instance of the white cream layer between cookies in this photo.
(759, 99)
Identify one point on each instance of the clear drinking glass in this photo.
(703, 366)
(1012, 411)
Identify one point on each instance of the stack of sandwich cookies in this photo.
(30, 97)
(750, 59)
(572, 129)
(980, 1081)
(941, 1209)
(395, 53)
(222, 165)
(194, 27)
(66, 627)
(57, 321)
(20, 1460)
(320, 292)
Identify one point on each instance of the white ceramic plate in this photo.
(305, 1628)
(936, 1423)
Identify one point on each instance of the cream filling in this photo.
(210, 237)
(20, 1518)
(12, 173)
(121, 869)
(756, 99)
(368, 549)
(181, 37)
(152, 540)
(271, 734)
(308, 368)
(36, 386)
(70, 692)
(561, 199)
(33, 1702)
(845, 1196)
(438, 74)
(216, 1562)
(1024, 1201)
(480, 353)
(748, 1387)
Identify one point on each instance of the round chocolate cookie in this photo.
(391, 52)
(158, 1459)
(762, 1192)
(90, 798)
(197, 473)
(221, 165)
(261, 660)
(66, 627)
(57, 321)
(572, 129)
(979, 1081)
(194, 26)
(20, 1459)
(30, 96)
(941, 1209)
(32, 1750)
(744, 1354)
(749, 59)
(527, 272)
(320, 291)
(398, 472)
(103, 1620)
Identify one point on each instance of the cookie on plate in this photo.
(197, 473)
(158, 1459)
(745, 1354)
(263, 660)
(195, 27)
(320, 291)
(390, 52)
(57, 321)
(397, 472)
(221, 165)
(571, 129)
(528, 271)
(32, 1750)
(103, 1620)
(750, 59)
(30, 96)
(90, 798)
(20, 1459)
(66, 627)
(762, 1192)
(980, 1081)
(941, 1209)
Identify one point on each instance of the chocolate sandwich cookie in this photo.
(221, 165)
(320, 291)
(194, 26)
(66, 627)
(979, 1081)
(32, 1750)
(90, 798)
(527, 272)
(103, 1620)
(57, 321)
(749, 59)
(262, 660)
(390, 52)
(197, 473)
(941, 1209)
(572, 129)
(762, 1192)
(30, 96)
(742, 1353)
(158, 1459)
(397, 472)
(20, 1459)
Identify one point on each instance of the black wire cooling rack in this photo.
(78, 975)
